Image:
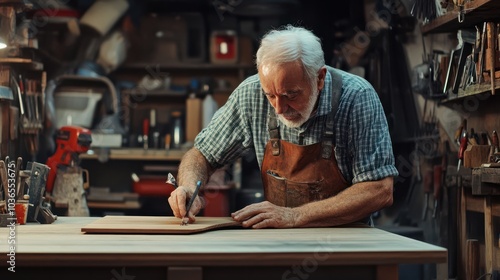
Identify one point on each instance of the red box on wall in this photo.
(224, 47)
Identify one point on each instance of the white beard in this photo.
(304, 116)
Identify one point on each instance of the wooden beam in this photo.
(489, 241)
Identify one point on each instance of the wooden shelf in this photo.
(475, 13)
(138, 154)
(156, 93)
(481, 91)
(23, 62)
(185, 66)
(126, 205)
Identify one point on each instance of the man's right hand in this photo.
(178, 200)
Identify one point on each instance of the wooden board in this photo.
(156, 225)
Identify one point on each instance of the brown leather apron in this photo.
(297, 174)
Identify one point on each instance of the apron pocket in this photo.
(299, 193)
(289, 193)
(276, 189)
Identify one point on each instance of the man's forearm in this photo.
(193, 167)
(350, 205)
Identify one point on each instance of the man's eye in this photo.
(270, 96)
(292, 95)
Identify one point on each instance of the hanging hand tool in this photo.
(427, 186)
(438, 179)
(473, 137)
(19, 186)
(145, 133)
(480, 64)
(494, 149)
(490, 53)
(459, 131)
(461, 150)
(418, 174)
(494, 141)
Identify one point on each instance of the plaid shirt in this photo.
(363, 147)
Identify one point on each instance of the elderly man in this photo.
(319, 134)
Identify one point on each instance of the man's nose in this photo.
(281, 105)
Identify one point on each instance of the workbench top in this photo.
(64, 244)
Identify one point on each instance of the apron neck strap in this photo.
(274, 133)
(328, 134)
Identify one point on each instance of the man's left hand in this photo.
(266, 215)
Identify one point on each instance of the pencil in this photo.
(185, 220)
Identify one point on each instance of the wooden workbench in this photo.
(62, 250)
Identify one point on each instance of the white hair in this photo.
(288, 44)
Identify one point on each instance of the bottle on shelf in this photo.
(154, 132)
(176, 130)
(210, 106)
(145, 133)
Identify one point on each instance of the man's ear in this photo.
(321, 78)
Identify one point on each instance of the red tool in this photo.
(459, 131)
(463, 146)
(71, 142)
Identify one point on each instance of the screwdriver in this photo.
(427, 185)
(459, 131)
(473, 137)
(463, 146)
(494, 141)
(494, 146)
(438, 170)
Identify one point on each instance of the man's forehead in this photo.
(271, 67)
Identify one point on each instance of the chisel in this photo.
(463, 146)
(19, 186)
(480, 64)
(490, 53)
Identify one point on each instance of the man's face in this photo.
(289, 92)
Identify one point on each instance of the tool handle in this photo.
(145, 126)
(19, 186)
(428, 177)
(494, 139)
(463, 146)
(193, 197)
(438, 170)
(458, 133)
